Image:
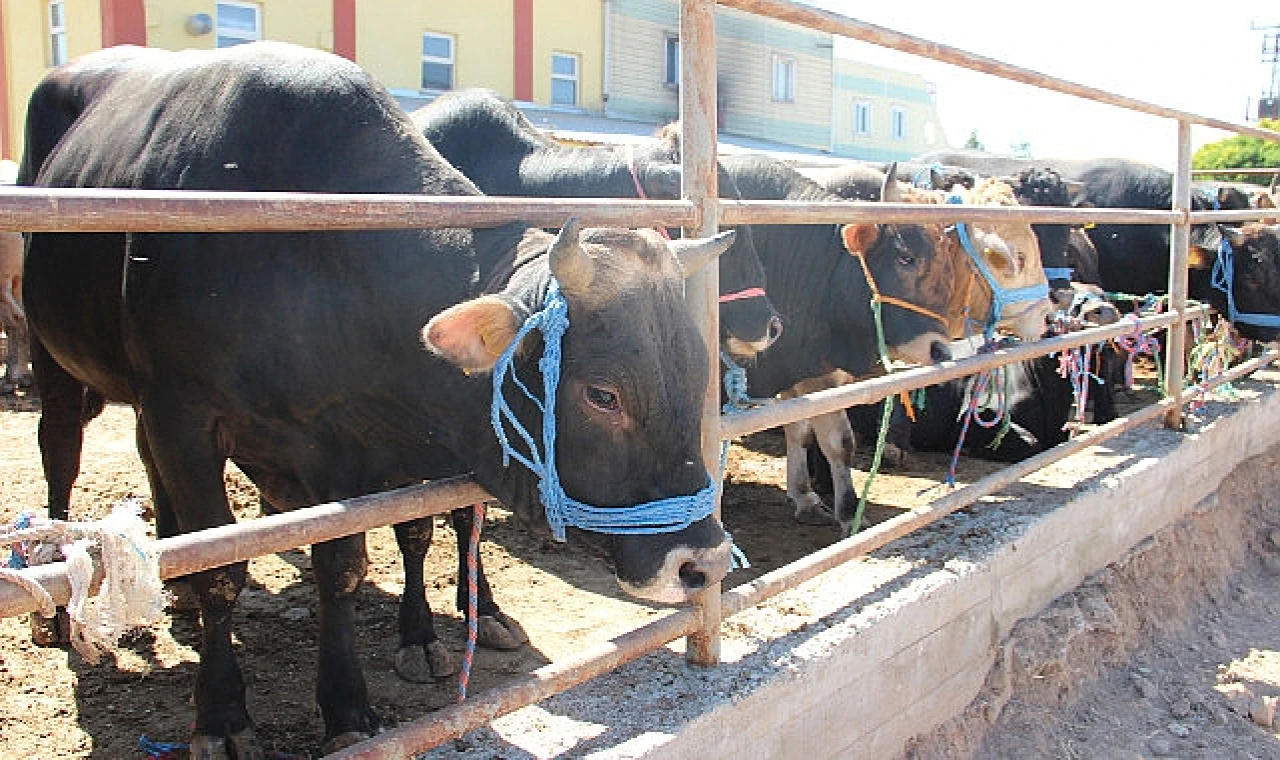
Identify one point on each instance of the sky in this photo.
(1207, 61)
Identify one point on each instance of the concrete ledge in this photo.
(855, 663)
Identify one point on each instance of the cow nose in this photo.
(939, 351)
(693, 576)
(774, 330)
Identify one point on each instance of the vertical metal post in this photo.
(1179, 245)
(698, 140)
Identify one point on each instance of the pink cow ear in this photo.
(472, 334)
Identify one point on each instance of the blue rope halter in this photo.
(1058, 273)
(661, 516)
(1223, 279)
(1000, 295)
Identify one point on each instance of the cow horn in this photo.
(696, 253)
(889, 190)
(570, 264)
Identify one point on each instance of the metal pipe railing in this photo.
(1179, 255)
(225, 544)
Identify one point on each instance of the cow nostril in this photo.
(774, 330)
(939, 352)
(693, 578)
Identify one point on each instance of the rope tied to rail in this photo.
(661, 516)
(1135, 344)
(131, 594)
(1213, 352)
(1076, 365)
(991, 390)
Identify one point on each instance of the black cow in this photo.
(818, 285)
(495, 146)
(300, 356)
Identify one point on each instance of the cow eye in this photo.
(602, 398)
(906, 260)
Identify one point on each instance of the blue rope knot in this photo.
(1223, 279)
(662, 516)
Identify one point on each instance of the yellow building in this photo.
(548, 53)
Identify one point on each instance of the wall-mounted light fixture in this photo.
(199, 24)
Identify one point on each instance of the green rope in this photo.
(881, 437)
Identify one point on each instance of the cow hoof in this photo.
(894, 457)
(242, 745)
(427, 664)
(342, 741)
(813, 513)
(51, 632)
(182, 598)
(501, 631)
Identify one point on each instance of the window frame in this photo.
(221, 33)
(58, 53)
(576, 79)
(670, 67)
(451, 61)
(863, 106)
(898, 123)
(790, 66)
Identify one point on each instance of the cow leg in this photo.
(183, 597)
(496, 629)
(808, 506)
(186, 468)
(835, 439)
(66, 406)
(421, 657)
(17, 357)
(340, 566)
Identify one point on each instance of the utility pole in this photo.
(1269, 102)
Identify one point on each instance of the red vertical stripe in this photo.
(522, 10)
(5, 149)
(124, 22)
(344, 28)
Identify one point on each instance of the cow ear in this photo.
(1200, 258)
(472, 334)
(858, 238)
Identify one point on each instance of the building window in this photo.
(861, 117)
(238, 23)
(898, 123)
(564, 79)
(437, 61)
(671, 65)
(784, 79)
(57, 33)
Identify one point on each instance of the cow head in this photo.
(905, 263)
(628, 407)
(1255, 279)
(1010, 252)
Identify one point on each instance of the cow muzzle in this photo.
(685, 573)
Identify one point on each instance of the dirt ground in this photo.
(53, 705)
(1172, 652)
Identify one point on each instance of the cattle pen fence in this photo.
(699, 212)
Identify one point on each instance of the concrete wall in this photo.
(858, 661)
(883, 89)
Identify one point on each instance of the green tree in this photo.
(974, 142)
(1241, 151)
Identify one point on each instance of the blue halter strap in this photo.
(1058, 273)
(661, 516)
(1223, 279)
(1000, 295)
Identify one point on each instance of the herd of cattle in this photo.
(327, 365)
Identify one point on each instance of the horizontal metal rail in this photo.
(1239, 215)
(874, 389)
(1253, 170)
(826, 21)
(456, 721)
(32, 209)
(27, 209)
(878, 535)
(223, 545)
